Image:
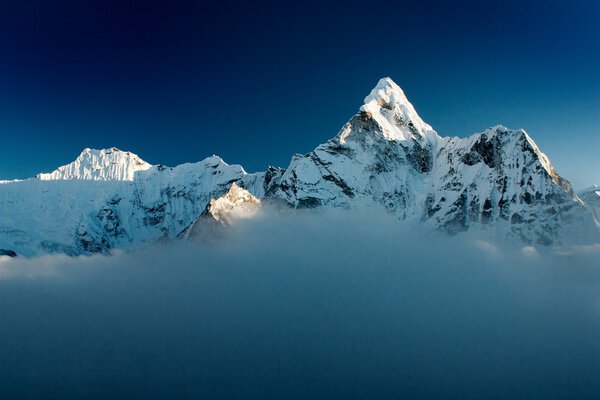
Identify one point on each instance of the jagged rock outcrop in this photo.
(237, 203)
(234, 205)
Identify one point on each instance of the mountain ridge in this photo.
(497, 180)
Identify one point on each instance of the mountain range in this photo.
(497, 182)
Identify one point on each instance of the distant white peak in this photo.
(5, 181)
(498, 129)
(388, 106)
(235, 204)
(591, 197)
(100, 165)
(501, 129)
(591, 190)
(215, 161)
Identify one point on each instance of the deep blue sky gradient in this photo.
(255, 82)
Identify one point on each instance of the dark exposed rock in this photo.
(57, 248)
(154, 215)
(457, 215)
(516, 218)
(308, 202)
(270, 181)
(420, 158)
(341, 184)
(430, 208)
(109, 221)
(486, 213)
(115, 200)
(474, 212)
(527, 198)
(6, 252)
(395, 202)
(91, 244)
(485, 150)
(471, 158)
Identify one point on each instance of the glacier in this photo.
(496, 181)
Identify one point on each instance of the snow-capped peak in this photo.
(520, 138)
(545, 161)
(592, 189)
(388, 106)
(100, 165)
(236, 203)
(591, 197)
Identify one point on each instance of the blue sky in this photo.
(256, 82)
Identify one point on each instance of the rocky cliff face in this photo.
(386, 156)
(222, 212)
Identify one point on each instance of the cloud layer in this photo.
(329, 305)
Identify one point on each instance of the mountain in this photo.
(100, 165)
(236, 204)
(496, 181)
(112, 200)
(222, 212)
(591, 198)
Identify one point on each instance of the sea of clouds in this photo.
(335, 305)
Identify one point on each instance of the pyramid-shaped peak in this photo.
(236, 203)
(237, 194)
(109, 164)
(387, 83)
(387, 94)
(389, 107)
